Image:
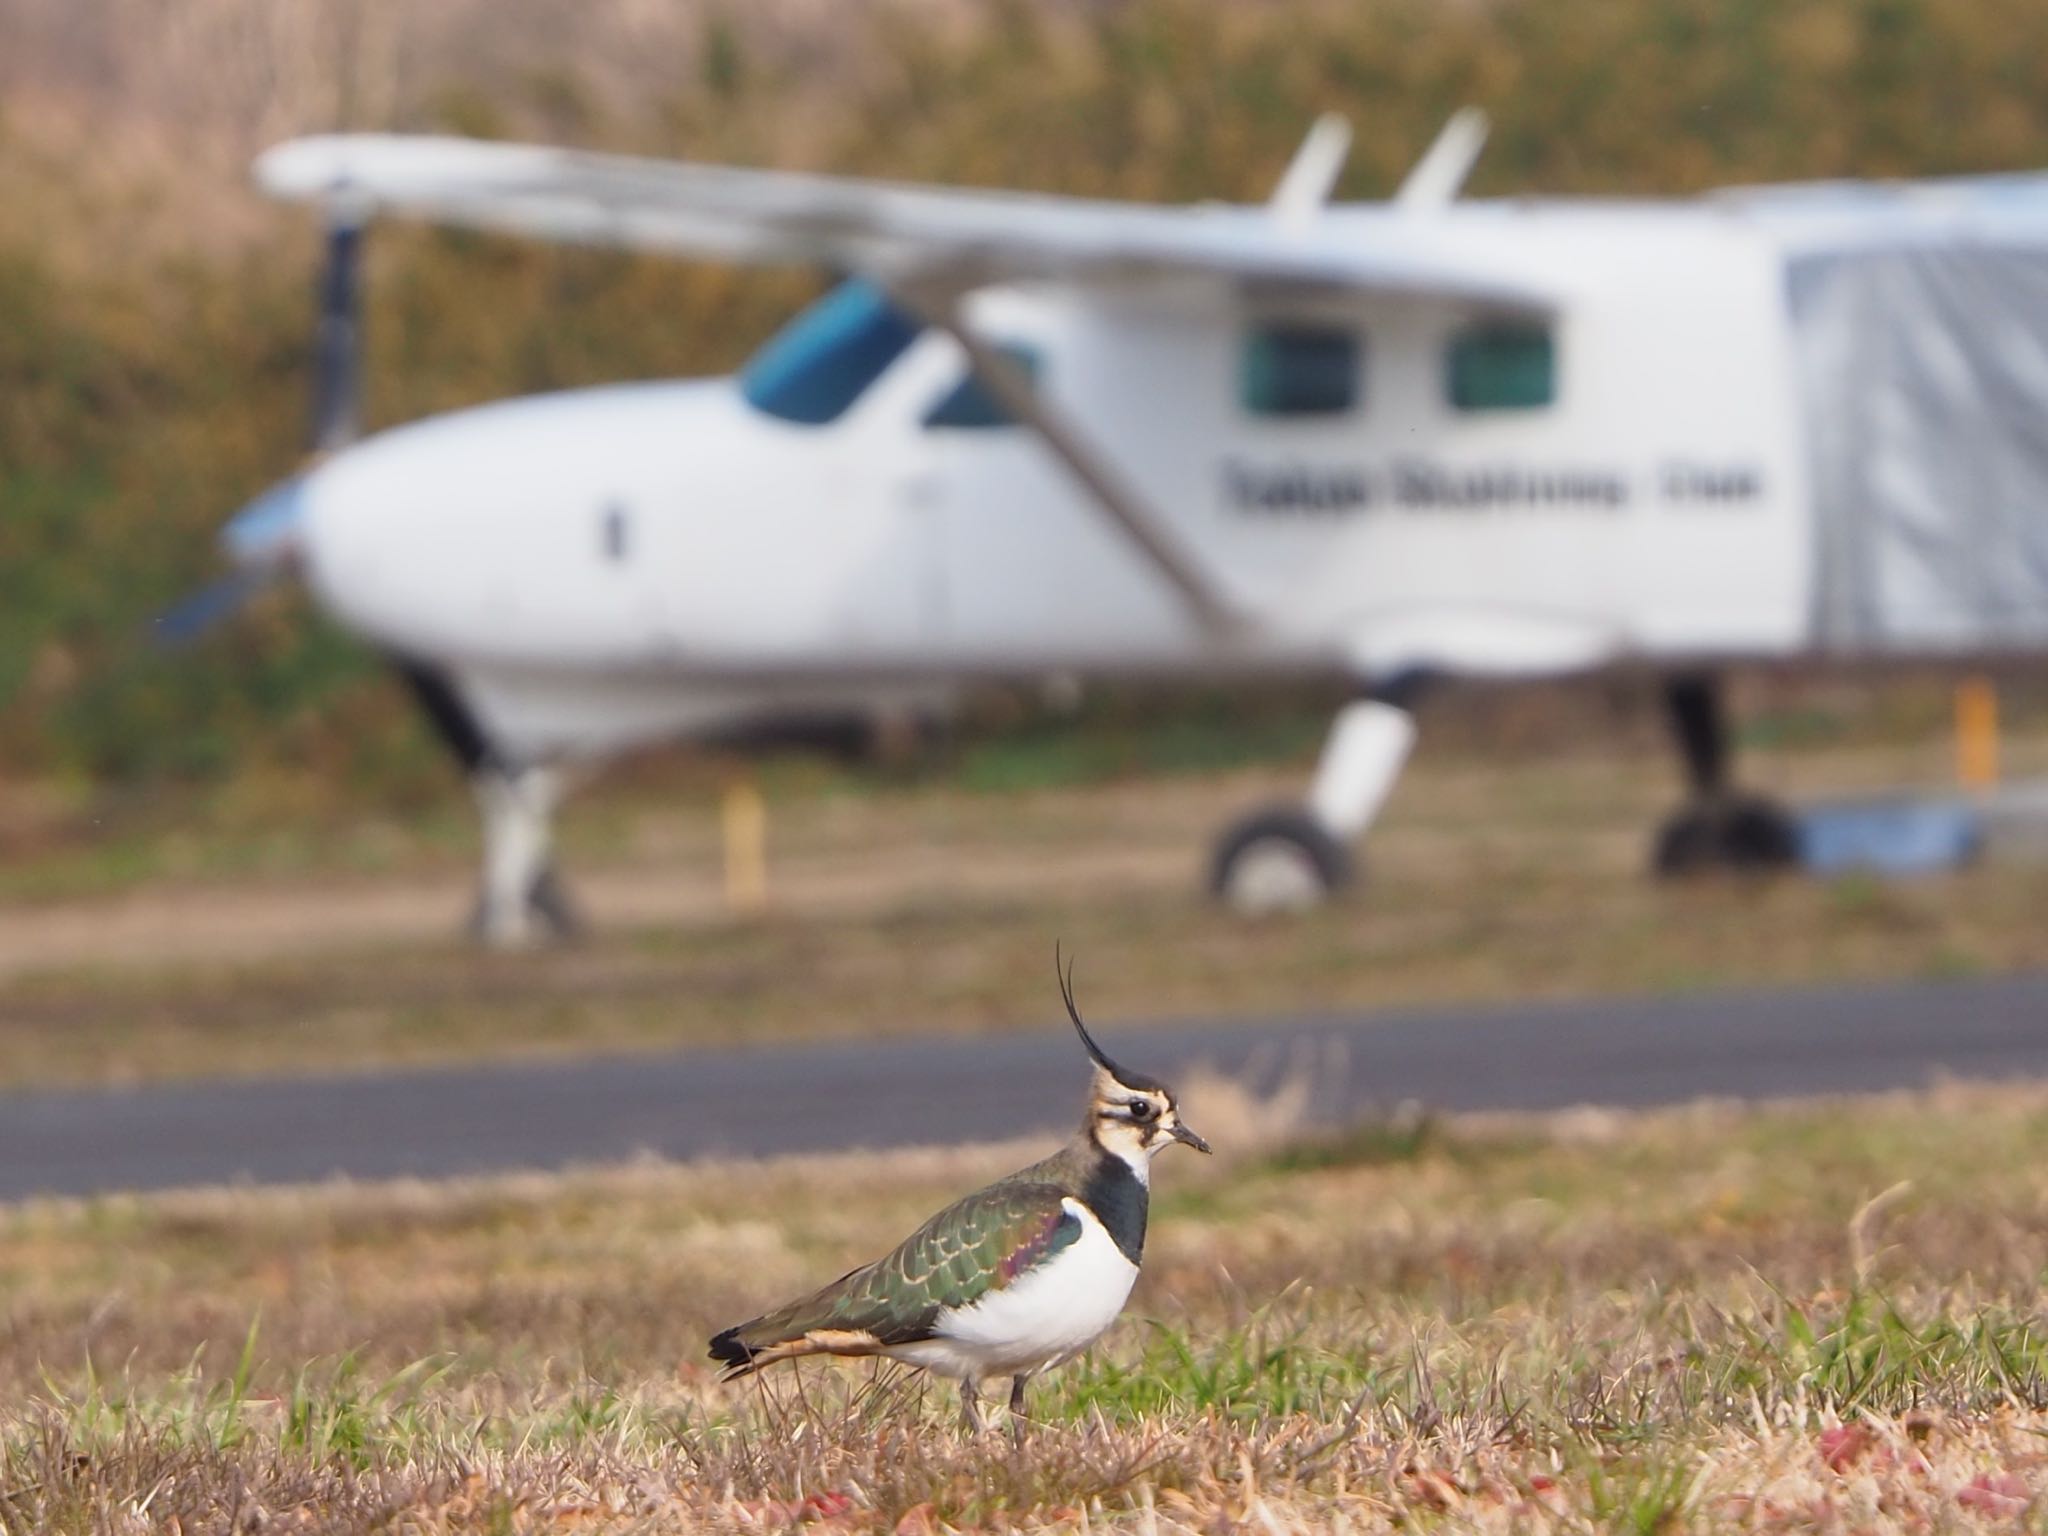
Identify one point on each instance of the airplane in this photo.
(1032, 436)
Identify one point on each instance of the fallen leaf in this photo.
(1428, 1486)
(1845, 1445)
(1996, 1493)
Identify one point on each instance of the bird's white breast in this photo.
(1045, 1315)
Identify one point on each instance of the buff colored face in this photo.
(1137, 1119)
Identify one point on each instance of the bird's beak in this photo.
(1182, 1134)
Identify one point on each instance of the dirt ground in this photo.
(213, 923)
(658, 865)
(929, 907)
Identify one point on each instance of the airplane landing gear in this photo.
(1738, 832)
(1277, 860)
(520, 898)
(1721, 827)
(1291, 858)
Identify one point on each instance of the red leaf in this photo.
(1845, 1445)
(1996, 1493)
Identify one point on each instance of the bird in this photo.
(1009, 1281)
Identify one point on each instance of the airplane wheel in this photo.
(547, 900)
(1278, 860)
(1742, 833)
(550, 901)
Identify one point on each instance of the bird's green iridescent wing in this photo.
(980, 1244)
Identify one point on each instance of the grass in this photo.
(929, 907)
(1814, 1317)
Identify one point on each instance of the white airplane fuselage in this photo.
(1038, 436)
(614, 565)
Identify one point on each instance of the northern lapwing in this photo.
(1010, 1281)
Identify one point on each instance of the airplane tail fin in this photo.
(1441, 172)
(1312, 174)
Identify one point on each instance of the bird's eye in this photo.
(1141, 1109)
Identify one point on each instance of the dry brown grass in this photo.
(1698, 1319)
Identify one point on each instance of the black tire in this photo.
(1743, 834)
(1322, 865)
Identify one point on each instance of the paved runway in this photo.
(797, 1098)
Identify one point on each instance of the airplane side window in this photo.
(968, 403)
(1299, 370)
(1501, 368)
(813, 369)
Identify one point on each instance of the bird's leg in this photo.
(1017, 1411)
(970, 1406)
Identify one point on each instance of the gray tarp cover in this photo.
(1924, 374)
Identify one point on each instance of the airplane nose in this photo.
(265, 533)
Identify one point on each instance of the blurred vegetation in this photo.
(150, 386)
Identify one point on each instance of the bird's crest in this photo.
(1064, 969)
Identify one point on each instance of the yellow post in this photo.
(746, 847)
(1977, 733)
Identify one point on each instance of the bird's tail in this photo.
(832, 1321)
(816, 1325)
(736, 1353)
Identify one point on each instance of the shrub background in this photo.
(154, 311)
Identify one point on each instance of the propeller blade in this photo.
(190, 617)
(261, 540)
(337, 353)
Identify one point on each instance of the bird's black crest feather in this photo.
(1065, 972)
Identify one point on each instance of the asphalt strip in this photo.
(823, 1096)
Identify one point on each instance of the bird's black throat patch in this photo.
(1119, 1200)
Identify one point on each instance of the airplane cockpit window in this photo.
(1501, 368)
(1299, 370)
(969, 404)
(813, 369)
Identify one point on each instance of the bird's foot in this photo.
(1017, 1419)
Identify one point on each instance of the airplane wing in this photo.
(950, 239)
(2007, 211)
